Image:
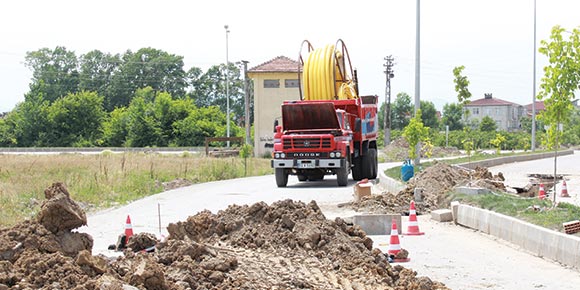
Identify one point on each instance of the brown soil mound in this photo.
(435, 180)
(288, 245)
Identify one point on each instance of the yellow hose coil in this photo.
(324, 78)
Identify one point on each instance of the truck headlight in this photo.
(337, 154)
(331, 154)
(277, 155)
(282, 155)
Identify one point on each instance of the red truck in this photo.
(319, 138)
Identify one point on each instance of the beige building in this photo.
(506, 114)
(275, 81)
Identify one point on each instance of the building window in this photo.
(271, 83)
(291, 83)
(476, 111)
(498, 124)
(497, 111)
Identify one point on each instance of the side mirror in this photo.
(275, 125)
(357, 124)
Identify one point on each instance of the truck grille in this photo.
(307, 143)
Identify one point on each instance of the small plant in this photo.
(414, 133)
(497, 142)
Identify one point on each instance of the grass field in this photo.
(106, 179)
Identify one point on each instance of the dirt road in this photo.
(456, 256)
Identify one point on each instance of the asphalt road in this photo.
(456, 256)
(516, 174)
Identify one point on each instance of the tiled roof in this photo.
(539, 106)
(277, 64)
(489, 102)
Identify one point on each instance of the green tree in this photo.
(208, 89)
(96, 74)
(452, 115)
(54, 72)
(414, 133)
(429, 114)
(115, 128)
(75, 120)
(487, 124)
(148, 67)
(202, 122)
(401, 111)
(29, 121)
(461, 85)
(143, 129)
(561, 79)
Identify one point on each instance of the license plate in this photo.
(306, 164)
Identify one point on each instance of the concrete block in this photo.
(501, 226)
(454, 207)
(442, 215)
(377, 224)
(471, 190)
(568, 250)
(519, 234)
(534, 239)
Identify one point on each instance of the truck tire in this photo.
(367, 166)
(281, 177)
(357, 169)
(302, 177)
(373, 163)
(342, 175)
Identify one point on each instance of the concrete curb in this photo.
(535, 239)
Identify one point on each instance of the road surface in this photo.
(459, 257)
(516, 174)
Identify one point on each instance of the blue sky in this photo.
(493, 39)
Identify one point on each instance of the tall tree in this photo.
(29, 121)
(208, 89)
(143, 129)
(148, 67)
(429, 114)
(561, 79)
(96, 74)
(402, 111)
(75, 120)
(54, 72)
(452, 115)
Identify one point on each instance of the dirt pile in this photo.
(434, 181)
(287, 245)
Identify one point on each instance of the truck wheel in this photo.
(302, 177)
(356, 170)
(342, 176)
(367, 165)
(373, 163)
(281, 177)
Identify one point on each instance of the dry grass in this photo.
(106, 179)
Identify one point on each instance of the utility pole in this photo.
(534, 88)
(246, 102)
(418, 74)
(389, 74)
(227, 88)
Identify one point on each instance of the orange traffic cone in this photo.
(128, 229)
(541, 192)
(413, 227)
(564, 189)
(394, 245)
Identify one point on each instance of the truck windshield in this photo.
(309, 116)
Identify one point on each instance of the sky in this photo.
(493, 39)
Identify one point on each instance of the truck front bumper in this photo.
(308, 163)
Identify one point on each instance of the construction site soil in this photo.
(286, 245)
(434, 181)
